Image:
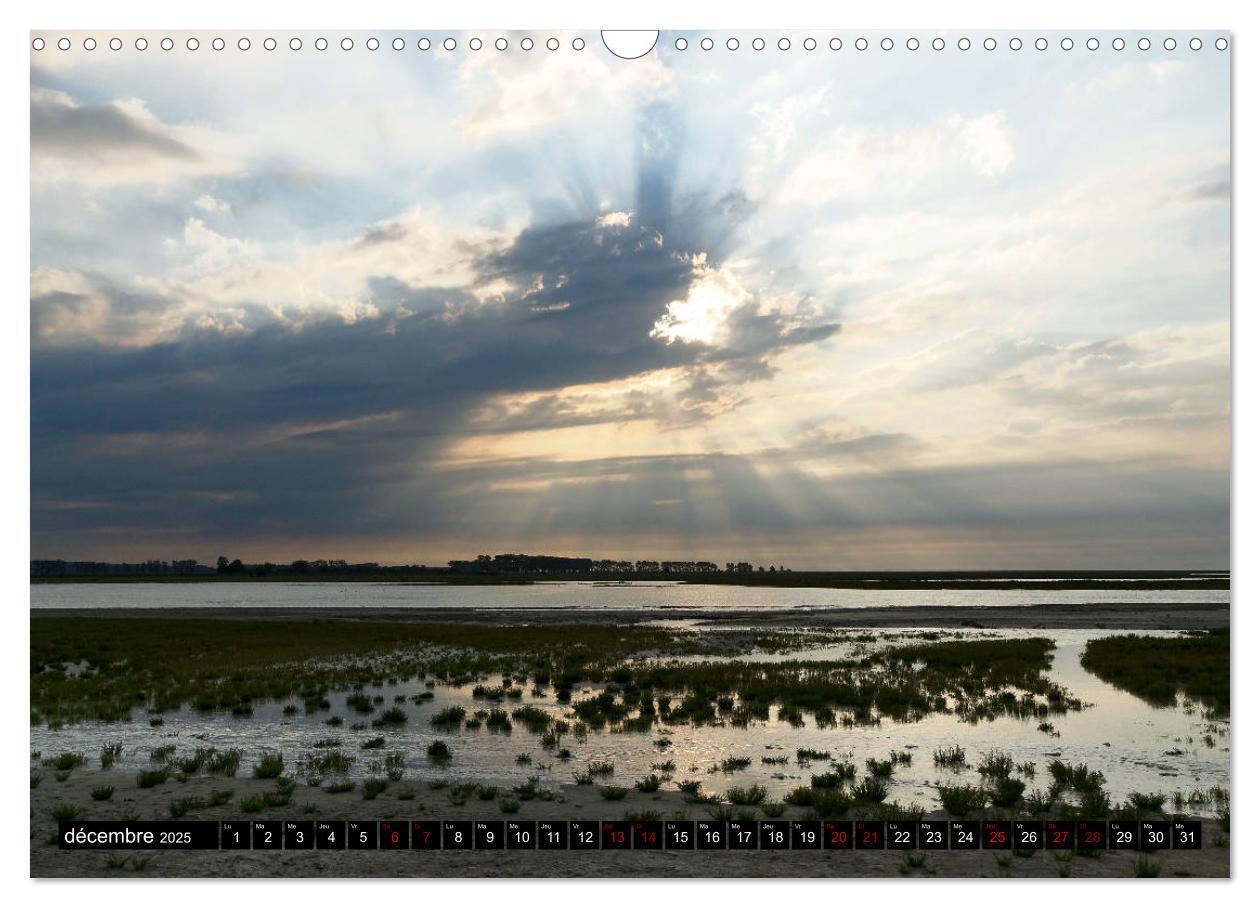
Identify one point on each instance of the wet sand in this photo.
(1117, 616)
(572, 802)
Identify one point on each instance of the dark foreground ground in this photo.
(572, 802)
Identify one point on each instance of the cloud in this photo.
(701, 316)
(211, 205)
(862, 161)
(614, 219)
(116, 142)
(365, 359)
(562, 301)
(214, 251)
(506, 94)
(70, 309)
(985, 142)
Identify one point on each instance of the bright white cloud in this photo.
(614, 219)
(702, 316)
(211, 205)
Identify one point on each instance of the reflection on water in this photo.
(1137, 747)
(568, 595)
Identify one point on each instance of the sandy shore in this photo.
(572, 802)
(1126, 616)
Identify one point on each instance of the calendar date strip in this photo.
(632, 835)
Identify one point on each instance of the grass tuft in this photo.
(269, 767)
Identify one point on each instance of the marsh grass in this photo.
(438, 752)
(326, 763)
(110, 754)
(1039, 802)
(953, 757)
(1095, 803)
(531, 790)
(1147, 802)
(395, 762)
(230, 668)
(649, 784)
(535, 720)
(734, 764)
(751, 796)
(373, 787)
(613, 792)
(224, 763)
(509, 805)
(880, 769)
(183, 806)
(1006, 792)
(194, 762)
(498, 721)
(280, 797)
(1079, 777)
(150, 778)
(36, 778)
(102, 792)
(391, 717)
(67, 812)
(339, 787)
(450, 716)
(270, 766)
(65, 761)
(871, 790)
(996, 765)
(829, 780)
(960, 800)
(1156, 669)
(805, 755)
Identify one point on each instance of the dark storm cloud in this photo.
(95, 130)
(323, 426)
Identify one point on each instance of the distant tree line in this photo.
(552, 564)
(316, 566)
(482, 564)
(61, 568)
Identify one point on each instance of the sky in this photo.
(827, 309)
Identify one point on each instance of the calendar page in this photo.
(562, 453)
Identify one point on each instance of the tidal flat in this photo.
(218, 717)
